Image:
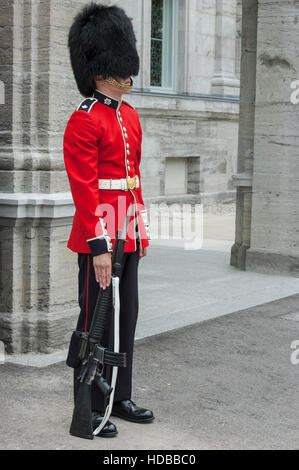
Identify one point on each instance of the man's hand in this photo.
(102, 267)
(142, 252)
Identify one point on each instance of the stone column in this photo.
(224, 81)
(243, 179)
(275, 203)
(274, 221)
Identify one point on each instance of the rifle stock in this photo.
(81, 425)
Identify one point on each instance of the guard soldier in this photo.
(102, 152)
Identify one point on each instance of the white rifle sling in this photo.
(116, 308)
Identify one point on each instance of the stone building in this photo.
(187, 95)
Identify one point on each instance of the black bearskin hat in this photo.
(102, 42)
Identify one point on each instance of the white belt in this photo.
(122, 184)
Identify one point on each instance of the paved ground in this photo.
(220, 384)
(179, 287)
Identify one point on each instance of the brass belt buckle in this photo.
(131, 183)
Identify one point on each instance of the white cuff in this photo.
(96, 244)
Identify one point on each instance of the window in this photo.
(163, 43)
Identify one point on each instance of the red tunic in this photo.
(103, 140)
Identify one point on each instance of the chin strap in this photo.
(114, 82)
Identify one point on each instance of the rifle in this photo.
(93, 355)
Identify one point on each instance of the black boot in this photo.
(128, 410)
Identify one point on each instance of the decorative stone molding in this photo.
(36, 206)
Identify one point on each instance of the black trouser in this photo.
(88, 292)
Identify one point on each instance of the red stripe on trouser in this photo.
(87, 285)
